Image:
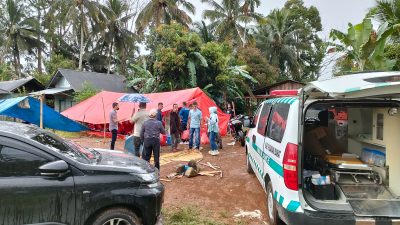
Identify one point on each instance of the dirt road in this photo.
(236, 191)
(223, 198)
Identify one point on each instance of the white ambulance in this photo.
(330, 153)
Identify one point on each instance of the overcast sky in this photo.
(334, 13)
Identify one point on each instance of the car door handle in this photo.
(254, 139)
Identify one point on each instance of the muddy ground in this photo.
(221, 198)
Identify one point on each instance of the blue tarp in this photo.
(28, 109)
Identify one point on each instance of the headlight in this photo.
(148, 178)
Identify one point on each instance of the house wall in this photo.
(63, 83)
(287, 86)
(62, 102)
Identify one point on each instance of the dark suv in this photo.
(45, 179)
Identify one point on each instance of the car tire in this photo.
(272, 212)
(248, 166)
(120, 216)
(242, 138)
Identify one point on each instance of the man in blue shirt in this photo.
(194, 123)
(184, 115)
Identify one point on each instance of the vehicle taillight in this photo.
(290, 175)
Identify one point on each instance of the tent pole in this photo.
(105, 123)
(41, 111)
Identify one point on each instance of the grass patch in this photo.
(68, 135)
(188, 215)
(224, 214)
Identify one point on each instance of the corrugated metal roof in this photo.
(50, 91)
(12, 85)
(101, 81)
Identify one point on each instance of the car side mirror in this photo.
(55, 169)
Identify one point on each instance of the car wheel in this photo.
(248, 165)
(273, 218)
(117, 216)
(241, 138)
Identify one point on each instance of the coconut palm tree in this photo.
(20, 33)
(276, 39)
(116, 36)
(203, 31)
(81, 13)
(228, 18)
(387, 11)
(157, 12)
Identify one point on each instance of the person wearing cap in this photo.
(150, 134)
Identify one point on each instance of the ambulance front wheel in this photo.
(273, 218)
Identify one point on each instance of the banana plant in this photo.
(364, 46)
(142, 79)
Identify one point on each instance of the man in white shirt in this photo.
(138, 119)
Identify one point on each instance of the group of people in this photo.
(149, 125)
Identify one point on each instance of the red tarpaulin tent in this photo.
(96, 109)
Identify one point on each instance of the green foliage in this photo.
(387, 11)
(87, 91)
(392, 52)
(258, 66)
(363, 47)
(142, 79)
(311, 49)
(58, 61)
(6, 72)
(289, 40)
(19, 31)
(43, 78)
(158, 12)
(229, 19)
(177, 56)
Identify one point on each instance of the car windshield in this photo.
(64, 147)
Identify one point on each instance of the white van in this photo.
(331, 154)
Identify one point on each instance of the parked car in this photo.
(45, 179)
(318, 168)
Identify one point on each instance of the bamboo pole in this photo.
(105, 122)
(41, 111)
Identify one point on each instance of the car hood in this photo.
(118, 161)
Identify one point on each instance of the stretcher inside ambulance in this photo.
(351, 151)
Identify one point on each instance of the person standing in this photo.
(213, 130)
(174, 124)
(194, 124)
(159, 112)
(230, 111)
(184, 115)
(138, 119)
(113, 126)
(150, 134)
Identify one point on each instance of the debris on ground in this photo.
(256, 214)
(231, 143)
(192, 169)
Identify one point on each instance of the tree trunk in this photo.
(109, 57)
(16, 58)
(39, 50)
(81, 44)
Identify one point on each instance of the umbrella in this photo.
(134, 98)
